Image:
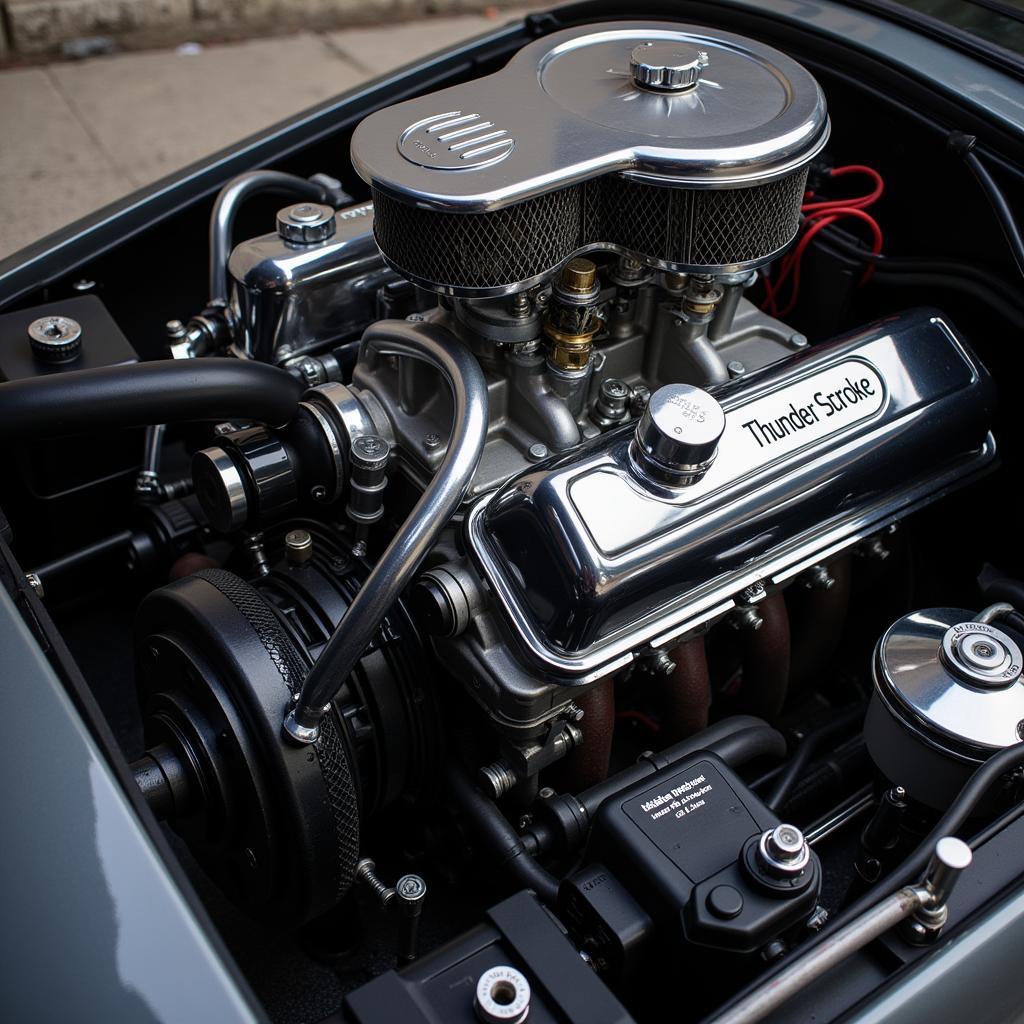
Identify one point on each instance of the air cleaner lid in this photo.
(672, 104)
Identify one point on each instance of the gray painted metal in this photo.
(95, 927)
(975, 978)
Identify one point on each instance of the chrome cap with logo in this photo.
(677, 436)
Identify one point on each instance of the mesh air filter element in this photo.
(675, 228)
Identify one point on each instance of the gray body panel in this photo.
(95, 927)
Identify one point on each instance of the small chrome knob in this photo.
(306, 222)
(677, 436)
(55, 339)
(783, 851)
(666, 66)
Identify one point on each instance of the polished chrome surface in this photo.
(237, 506)
(400, 562)
(455, 141)
(677, 436)
(226, 206)
(667, 66)
(783, 851)
(305, 223)
(289, 299)
(981, 654)
(819, 451)
(566, 109)
(951, 708)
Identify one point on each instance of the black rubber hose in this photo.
(142, 394)
(1000, 206)
(855, 250)
(736, 740)
(805, 751)
(562, 821)
(911, 870)
(499, 838)
(982, 293)
(1010, 591)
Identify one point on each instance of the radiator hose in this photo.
(141, 394)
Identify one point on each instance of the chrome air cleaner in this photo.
(685, 147)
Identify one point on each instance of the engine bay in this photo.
(568, 558)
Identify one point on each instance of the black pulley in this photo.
(277, 825)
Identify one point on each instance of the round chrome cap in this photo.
(666, 66)
(954, 680)
(783, 851)
(981, 654)
(306, 223)
(55, 339)
(677, 436)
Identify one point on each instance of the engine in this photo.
(529, 535)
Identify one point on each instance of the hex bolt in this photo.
(746, 618)
(432, 441)
(875, 549)
(736, 368)
(537, 452)
(36, 584)
(410, 891)
(365, 874)
(818, 578)
(658, 663)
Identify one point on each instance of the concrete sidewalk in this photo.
(77, 135)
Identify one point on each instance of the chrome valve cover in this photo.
(590, 558)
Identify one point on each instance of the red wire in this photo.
(818, 221)
(819, 214)
(860, 202)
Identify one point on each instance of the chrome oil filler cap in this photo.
(677, 437)
(306, 223)
(981, 654)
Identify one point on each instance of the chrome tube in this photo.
(866, 928)
(437, 346)
(230, 198)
